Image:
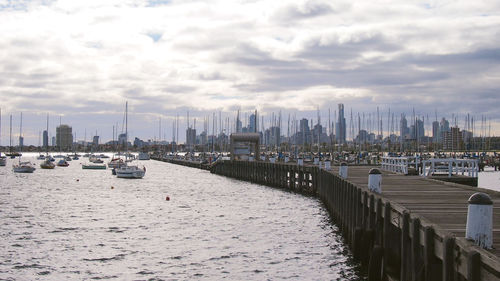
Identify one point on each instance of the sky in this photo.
(80, 61)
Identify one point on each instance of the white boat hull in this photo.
(22, 169)
(130, 173)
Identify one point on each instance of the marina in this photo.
(74, 224)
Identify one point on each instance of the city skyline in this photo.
(373, 123)
(82, 61)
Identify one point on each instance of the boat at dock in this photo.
(143, 156)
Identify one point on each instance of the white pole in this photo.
(480, 220)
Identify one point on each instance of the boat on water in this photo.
(3, 160)
(116, 163)
(143, 156)
(130, 172)
(67, 158)
(62, 163)
(23, 167)
(93, 166)
(126, 171)
(47, 164)
(40, 157)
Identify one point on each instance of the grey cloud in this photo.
(309, 9)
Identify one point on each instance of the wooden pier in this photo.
(413, 230)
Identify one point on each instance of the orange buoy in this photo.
(167, 198)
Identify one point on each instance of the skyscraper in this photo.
(403, 125)
(340, 130)
(251, 124)
(45, 138)
(64, 136)
(435, 132)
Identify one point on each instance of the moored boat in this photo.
(3, 160)
(143, 156)
(93, 167)
(47, 164)
(130, 172)
(23, 167)
(62, 163)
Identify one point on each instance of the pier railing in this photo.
(399, 165)
(450, 167)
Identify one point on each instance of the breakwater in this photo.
(412, 231)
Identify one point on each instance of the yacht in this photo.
(132, 172)
(3, 160)
(126, 171)
(47, 164)
(143, 156)
(23, 167)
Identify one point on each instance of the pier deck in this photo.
(444, 204)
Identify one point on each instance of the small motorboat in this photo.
(47, 164)
(62, 163)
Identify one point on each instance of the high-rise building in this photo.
(45, 139)
(64, 136)
(404, 130)
(435, 132)
(95, 141)
(122, 139)
(251, 124)
(419, 129)
(452, 139)
(53, 141)
(190, 137)
(340, 131)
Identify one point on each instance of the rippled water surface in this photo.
(72, 224)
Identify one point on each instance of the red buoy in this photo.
(167, 198)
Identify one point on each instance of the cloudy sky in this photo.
(81, 60)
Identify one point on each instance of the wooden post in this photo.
(430, 273)
(379, 223)
(387, 226)
(473, 266)
(405, 247)
(416, 264)
(448, 258)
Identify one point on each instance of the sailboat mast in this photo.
(10, 134)
(126, 126)
(20, 133)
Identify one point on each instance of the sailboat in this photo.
(47, 164)
(22, 167)
(3, 159)
(11, 154)
(63, 162)
(132, 171)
